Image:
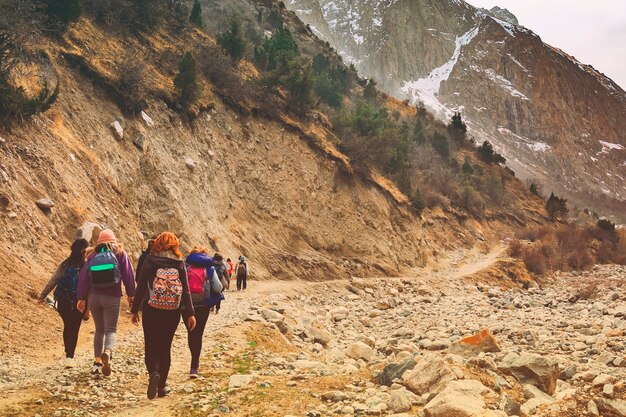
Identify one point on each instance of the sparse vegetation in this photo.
(489, 155)
(556, 207)
(232, 40)
(186, 80)
(569, 247)
(196, 14)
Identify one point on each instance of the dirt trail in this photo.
(39, 380)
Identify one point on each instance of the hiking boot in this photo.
(153, 383)
(164, 391)
(69, 363)
(106, 362)
(193, 374)
(97, 368)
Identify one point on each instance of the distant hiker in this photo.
(242, 273)
(230, 268)
(64, 281)
(100, 286)
(203, 284)
(220, 269)
(143, 257)
(162, 294)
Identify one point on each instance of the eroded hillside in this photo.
(243, 176)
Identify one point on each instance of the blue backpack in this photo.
(104, 270)
(67, 286)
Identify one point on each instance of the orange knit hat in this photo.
(106, 236)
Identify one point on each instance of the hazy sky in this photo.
(592, 31)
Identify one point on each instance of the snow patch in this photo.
(504, 84)
(427, 88)
(608, 146)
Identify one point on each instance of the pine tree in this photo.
(186, 80)
(556, 206)
(196, 14)
(457, 127)
(489, 155)
(370, 92)
(418, 133)
(467, 168)
(232, 40)
(418, 202)
(440, 144)
(298, 80)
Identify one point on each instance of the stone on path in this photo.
(431, 374)
(146, 119)
(360, 350)
(44, 203)
(531, 368)
(239, 381)
(118, 130)
(484, 341)
(458, 399)
(611, 408)
(395, 370)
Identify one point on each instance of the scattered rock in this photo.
(118, 130)
(395, 370)
(611, 408)
(44, 203)
(531, 368)
(238, 381)
(360, 350)
(484, 341)
(458, 399)
(141, 141)
(191, 164)
(430, 375)
(146, 119)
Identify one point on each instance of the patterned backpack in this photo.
(167, 290)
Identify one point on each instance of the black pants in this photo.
(159, 327)
(72, 319)
(241, 282)
(194, 338)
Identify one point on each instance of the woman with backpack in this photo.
(242, 273)
(220, 270)
(163, 295)
(204, 286)
(100, 286)
(64, 281)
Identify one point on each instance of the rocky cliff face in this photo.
(555, 119)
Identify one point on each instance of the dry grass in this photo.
(568, 248)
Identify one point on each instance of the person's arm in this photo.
(142, 258)
(186, 300)
(216, 285)
(141, 289)
(128, 276)
(247, 270)
(52, 283)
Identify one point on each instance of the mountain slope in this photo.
(555, 119)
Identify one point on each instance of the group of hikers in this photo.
(166, 286)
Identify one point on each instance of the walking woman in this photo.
(203, 282)
(100, 286)
(64, 282)
(162, 294)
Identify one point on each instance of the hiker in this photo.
(229, 270)
(143, 257)
(220, 269)
(162, 294)
(64, 281)
(204, 286)
(242, 273)
(100, 286)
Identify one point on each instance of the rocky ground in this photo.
(370, 347)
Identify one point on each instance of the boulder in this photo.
(146, 119)
(611, 408)
(484, 341)
(272, 316)
(339, 313)
(141, 141)
(531, 368)
(395, 370)
(334, 396)
(117, 129)
(191, 164)
(238, 381)
(44, 203)
(400, 401)
(88, 231)
(510, 406)
(360, 350)
(318, 335)
(458, 399)
(431, 374)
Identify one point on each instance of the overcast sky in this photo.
(592, 31)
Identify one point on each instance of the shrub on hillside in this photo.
(440, 144)
(418, 202)
(232, 39)
(489, 155)
(147, 14)
(133, 84)
(556, 207)
(195, 17)
(535, 261)
(281, 46)
(62, 12)
(186, 81)
(369, 91)
(515, 248)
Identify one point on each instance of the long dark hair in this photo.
(77, 255)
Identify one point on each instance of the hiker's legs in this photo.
(72, 319)
(168, 324)
(194, 338)
(159, 327)
(97, 312)
(111, 316)
(150, 324)
(244, 282)
(239, 279)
